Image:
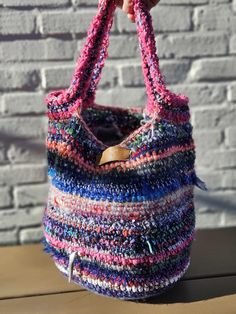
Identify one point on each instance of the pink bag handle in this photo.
(87, 73)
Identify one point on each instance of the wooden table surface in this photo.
(30, 283)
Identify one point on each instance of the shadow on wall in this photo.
(21, 149)
(215, 209)
(217, 202)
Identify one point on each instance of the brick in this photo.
(213, 179)
(17, 23)
(120, 46)
(210, 118)
(233, 24)
(35, 3)
(233, 44)
(219, 159)
(202, 94)
(31, 195)
(2, 153)
(131, 75)
(209, 220)
(219, 179)
(40, 49)
(31, 235)
(66, 22)
(231, 136)
(85, 2)
(165, 19)
(5, 197)
(8, 219)
(27, 151)
(219, 1)
(109, 77)
(192, 45)
(23, 103)
(8, 237)
(23, 127)
(229, 218)
(1, 104)
(214, 69)
(229, 179)
(214, 17)
(171, 18)
(174, 72)
(182, 2)
(207, 139)
(57, 49)
(123, 97)
(19, 174)
(14, 78)
(123, 47)
(57, 77)
(21, 217)
(215, 201)
(232, 93)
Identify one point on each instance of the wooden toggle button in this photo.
(114, 153)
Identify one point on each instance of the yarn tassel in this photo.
(200, 184)
(70, 266)
(152, 131)
(150, 247)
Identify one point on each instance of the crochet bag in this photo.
(120, 217)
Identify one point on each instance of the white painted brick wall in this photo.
(39, 44)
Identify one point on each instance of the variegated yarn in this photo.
(123, 229)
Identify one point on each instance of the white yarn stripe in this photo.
(83, 204)
(116, 287)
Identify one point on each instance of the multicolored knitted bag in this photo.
(120, 219)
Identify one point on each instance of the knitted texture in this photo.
(123, 229)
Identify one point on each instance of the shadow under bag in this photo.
(120, 217)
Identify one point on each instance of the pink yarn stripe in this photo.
(110, 259)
